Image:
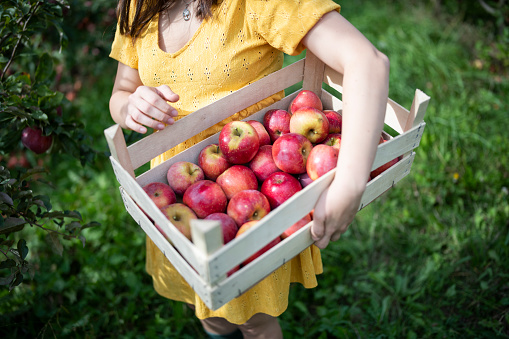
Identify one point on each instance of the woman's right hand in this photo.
(136, 106)
(149, 107)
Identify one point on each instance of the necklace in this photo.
(186, 14)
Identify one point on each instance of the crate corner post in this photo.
(118, 147)
(418, 109)
(207, 237)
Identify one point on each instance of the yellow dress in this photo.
(242, 42)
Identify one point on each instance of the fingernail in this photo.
(170, 121)
(160, 126)
(143, 130)
(174, 113)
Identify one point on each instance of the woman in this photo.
(177, 56)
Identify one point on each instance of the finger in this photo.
(152, 104)
(141, 118)
(335, 236)
(317, 230)
(322, 243)
(133, 125)
(166, 93)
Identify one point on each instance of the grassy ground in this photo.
(426, 260)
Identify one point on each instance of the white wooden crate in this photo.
(204, 262)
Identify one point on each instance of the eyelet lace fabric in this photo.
(244, 41)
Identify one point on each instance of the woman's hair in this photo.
(145, 10)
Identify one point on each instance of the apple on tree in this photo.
(305, 98)
(248, 205)
(276, 123)
(180, 216)
(279, 187)
(33, 139)
(212, 161)
(291, 152)
(243, 229)
(239, 142)
(183, 174)
(205, 197)
(263, 163)
(311, 123)
(237, 178)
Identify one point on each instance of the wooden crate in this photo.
(204, 262)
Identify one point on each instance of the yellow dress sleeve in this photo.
(283, 23)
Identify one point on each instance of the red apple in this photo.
(212, 161)
(335, 120)
(264, 249)
(384, 167)
(263, 164)
(239, 142)
(160, 193)
(311, 123)
(237, 178)
(263, 135)
(279, 187)
(290, 153)
(248, 205)
(32, 138)
(228, 226)
(305, 98)
(205, 197)
(277, 123)
(333, 139)
(297, 226)
(183, 174)
(304, 179)
(180, 216)
(321, 160)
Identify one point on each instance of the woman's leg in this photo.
(216, 325)
(261, 326)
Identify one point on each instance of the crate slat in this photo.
(151, 146)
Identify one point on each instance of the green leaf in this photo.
(82, 238)
(44, 69)
(9, 263)
(12, 224)
(5, 198)
(45, 200)
(22, 248)
(54, 241)
(7, 280)
(17, 280)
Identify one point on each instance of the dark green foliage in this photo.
(426, 260)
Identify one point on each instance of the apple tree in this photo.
(34, 118)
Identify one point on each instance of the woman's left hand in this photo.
(334, 211)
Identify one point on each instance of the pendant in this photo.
(186, 14)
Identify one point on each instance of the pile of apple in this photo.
(253, 169)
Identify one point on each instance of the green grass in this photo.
(426, 260)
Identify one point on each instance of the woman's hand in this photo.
(135, 106)
(334, 211)
(148, 106)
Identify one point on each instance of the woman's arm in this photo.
(135, 106)
(365, 89)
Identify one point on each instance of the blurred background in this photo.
(428, 259)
